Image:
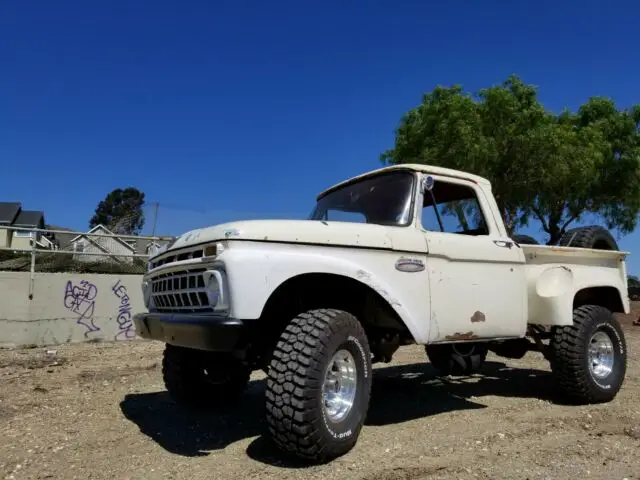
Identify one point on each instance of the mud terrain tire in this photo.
(198, 379)
(581, 374)
(460, 359)
(594, 236)
(299, 420)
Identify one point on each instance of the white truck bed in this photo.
(556, 274)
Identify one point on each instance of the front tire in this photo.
(458, 359)
(198, 379)
(589, 357)
(319, 385)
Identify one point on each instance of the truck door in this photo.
(477, 278)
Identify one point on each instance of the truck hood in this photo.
(293, 231)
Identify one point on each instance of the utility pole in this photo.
(156, 205)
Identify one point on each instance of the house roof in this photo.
(8, 212)
(63, 239)
(142, 245)
(105, 230)
(29, 218)
(46, 241)
(93, 230)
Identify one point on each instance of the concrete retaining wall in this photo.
(67, 308)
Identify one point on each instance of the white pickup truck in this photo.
(401, 255)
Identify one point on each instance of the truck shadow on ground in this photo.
(400, 394)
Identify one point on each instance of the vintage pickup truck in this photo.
(400, 255)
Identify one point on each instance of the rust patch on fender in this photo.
(462, 336)
(477, 317)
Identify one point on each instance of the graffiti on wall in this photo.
(125, 324)
(81, 300)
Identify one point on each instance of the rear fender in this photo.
(553, 293)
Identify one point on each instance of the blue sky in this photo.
(224, 110)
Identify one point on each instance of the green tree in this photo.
(554, 168)
(121, 211)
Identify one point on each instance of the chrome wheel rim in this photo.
(601, 355)
(340, 385)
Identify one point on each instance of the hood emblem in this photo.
(410, 265)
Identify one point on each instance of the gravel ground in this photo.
(94, 411)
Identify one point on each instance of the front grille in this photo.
(180, 292)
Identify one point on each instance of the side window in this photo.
(456, 210)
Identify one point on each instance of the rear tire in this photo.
(589, 357)
(198, 379)
(594, 236)
(458, 359)
(301, 417)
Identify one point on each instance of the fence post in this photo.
(32, 269)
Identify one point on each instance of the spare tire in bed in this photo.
(593, 236)
(524, 240)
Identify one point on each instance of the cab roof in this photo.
(414, 167)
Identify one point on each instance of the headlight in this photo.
(215, 284)
(213, 289)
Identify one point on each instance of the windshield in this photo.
(385, 199)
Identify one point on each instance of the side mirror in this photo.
(427, 183)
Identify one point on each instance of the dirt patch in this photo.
(29, 361)
(4, 414)
(633, 432)
(101, 375)
(103, 413)
(404, 473)
(633, 318)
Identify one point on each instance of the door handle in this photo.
(503, 243)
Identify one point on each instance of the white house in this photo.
(113, 248)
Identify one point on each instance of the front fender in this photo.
(255, 273)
